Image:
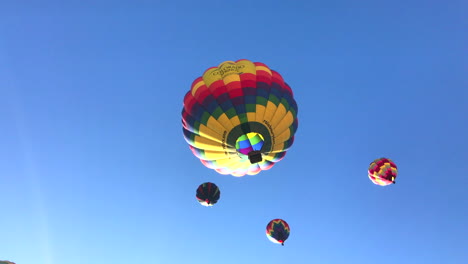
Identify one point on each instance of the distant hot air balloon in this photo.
(239, 118)
(208, 194)
(277, 231)
(382, 171)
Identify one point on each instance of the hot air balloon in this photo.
(239, 118)
(382, 171)
(277, 231)
(208, 194)
(6, 262)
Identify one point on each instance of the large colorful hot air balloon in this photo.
(239, 118)
(382, 171)
(208, 194)
(277, 231)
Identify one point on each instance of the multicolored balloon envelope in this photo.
(208, 194)
(382, 171)
(277, 231)
(239, 118)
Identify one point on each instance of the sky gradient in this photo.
(94, 167)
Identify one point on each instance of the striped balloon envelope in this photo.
(208, 194)
(382, 171)
(239, 118)
(277, 231)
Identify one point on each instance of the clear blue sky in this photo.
(94, 168)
